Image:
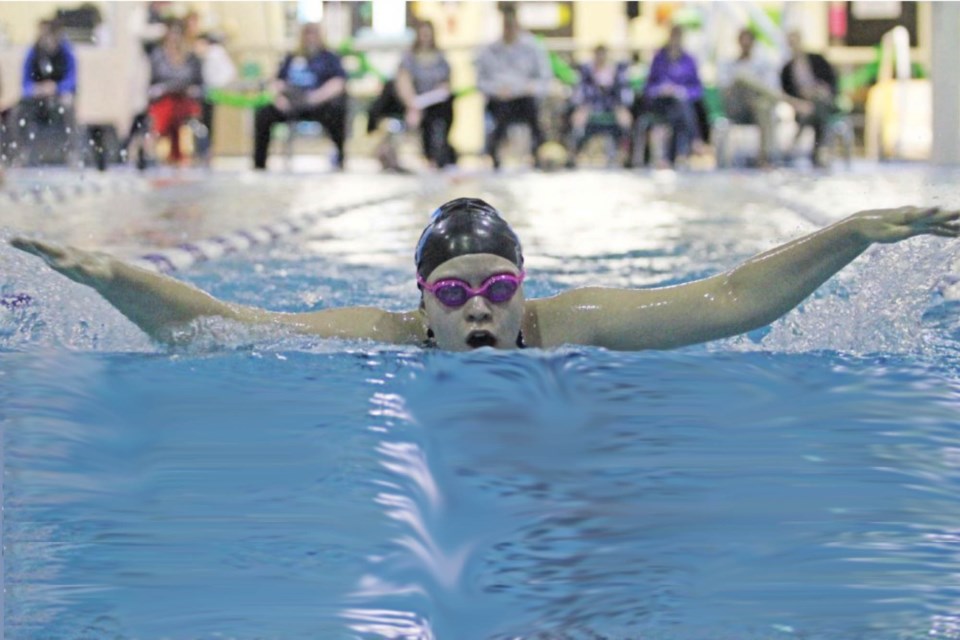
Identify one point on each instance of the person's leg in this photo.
(263, 121)
(679, 119)
(161, 116)
(528, 111)
(179, 113)
(819, 119)
(686, 128)
(764, 113)
(333, 116)
(499, 110)
(434, 130)
(205, 137)
(444, 116)
(578, 132)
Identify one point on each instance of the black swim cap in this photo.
(464, 226)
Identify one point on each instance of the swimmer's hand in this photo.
(158, 304)
(894, 225)
(85, 267)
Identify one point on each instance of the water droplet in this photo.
(23, 122)
(32, 135)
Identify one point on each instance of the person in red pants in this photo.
(176, 87)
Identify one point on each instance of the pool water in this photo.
(796, 482)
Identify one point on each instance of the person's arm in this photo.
(161, 306)
(747, 297)
(69, 82)
(334, 86)
(692, 87)
(407, 94)
(485, 73)
(26, 85)
(657, 76)
(541, 84)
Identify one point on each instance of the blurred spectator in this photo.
(673, 87)
(811, 79)
(310, 85)
(751, 92)
(50, 68)
(513, 73)
(217, 69)
(3, 136)
(48, 89)
(423, 85)
(603, 92)
(176, 87)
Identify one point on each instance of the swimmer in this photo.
(470, 271)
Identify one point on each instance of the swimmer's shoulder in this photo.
(587, 316)
(361, 323)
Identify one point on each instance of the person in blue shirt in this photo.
(311, 85)
(50, 68)
(49, 86)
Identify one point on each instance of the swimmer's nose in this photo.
(478, 309)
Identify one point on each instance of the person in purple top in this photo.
(672, 89)
(311, 85)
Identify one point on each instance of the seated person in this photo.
(176, 88)
(810, 78)
(310, 85)
(513, 74)
(604, 89)
(423, 86)
(49, 86)
(672, 90)
(751, 92)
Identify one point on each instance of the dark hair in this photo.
(462, 227)
(417, 45)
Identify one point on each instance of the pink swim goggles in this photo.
(453, 292)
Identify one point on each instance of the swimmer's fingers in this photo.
(893, 225)
(946, 230)
(80, 266)
(45, 250)
(935, 221)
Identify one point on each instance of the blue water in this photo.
(798, 482)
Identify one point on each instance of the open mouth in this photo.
(477, 339)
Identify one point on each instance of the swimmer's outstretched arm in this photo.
(162, 306)
(747, 297)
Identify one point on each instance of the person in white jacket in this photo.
(513, 74)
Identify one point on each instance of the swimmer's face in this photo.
(478, 322)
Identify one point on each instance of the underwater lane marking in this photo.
(188, 254)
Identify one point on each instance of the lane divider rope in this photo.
(188, 254)
(53, 193)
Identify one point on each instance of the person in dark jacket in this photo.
(48, 88)
(811, 79)
(311, 85)
(50, 68)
